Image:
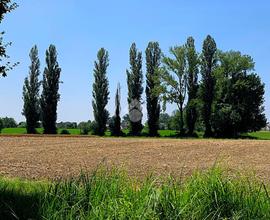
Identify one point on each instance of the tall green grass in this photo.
(113, 195)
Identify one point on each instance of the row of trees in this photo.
(7, 122)
(42, 107)
(226, 101)
(166, 122)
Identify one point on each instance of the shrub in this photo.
(64, 131)
(115, 126)
(21, 124)
(85, 127)
(1, 125)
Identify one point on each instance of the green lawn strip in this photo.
(260, 135)
(39, 130)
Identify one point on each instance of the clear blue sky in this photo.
(79, 28)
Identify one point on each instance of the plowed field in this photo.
(43, 157)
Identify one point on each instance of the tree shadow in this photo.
(15, 205)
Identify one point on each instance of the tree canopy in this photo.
(50, 95)
(101, 92)
(153, 62)
(31, 106)
(6, 6)
(238, 106)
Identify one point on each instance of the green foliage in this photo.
(21, 124)
(85, 127)
(113, 195)
(8, 122)
(6, 6)
(1, 125)
(238, 105)
(164, 121)
(31, 107)
(115, 122)
(72, 131)
(125, 124)
(101, 92)
(174, 81)
(64, 131)
(67, 125)
(174, 123)
(192, 85)
(208, 65)
(153, 60)
(134, 83)
(50, 95)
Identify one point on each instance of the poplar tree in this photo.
(208, 64)
(135, 90)
(153, 59)
(50, 95)
(100, 92)
(115, 126)
(31, 107)
(192, 85)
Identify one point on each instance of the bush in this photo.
(1, 125)
(22, 125)
(67, 125)
(115, 126)
(85, 127)
(64, 131)
(9, 122)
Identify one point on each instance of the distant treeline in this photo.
(166, 122)
(216, 92)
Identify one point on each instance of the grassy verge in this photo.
(114, 195)
(39, 130)
(260, 135)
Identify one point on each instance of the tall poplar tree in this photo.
(208, 64)
(135, 90)
(100, 92)
(31, 107)
(192, 85)
(50, 95)
(115, 125)
(153, 59)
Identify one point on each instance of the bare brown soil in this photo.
(44, 157)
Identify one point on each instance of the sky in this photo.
(79, 28)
